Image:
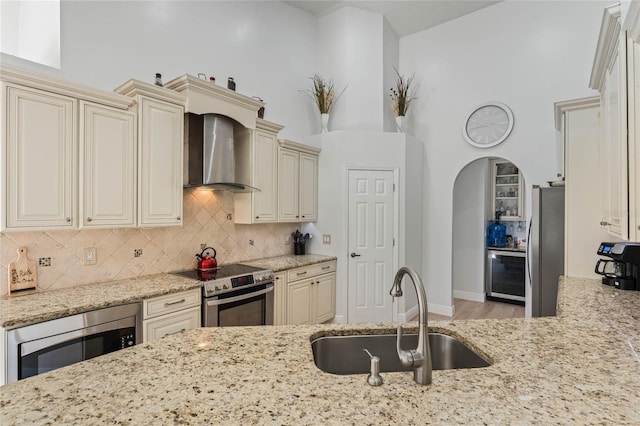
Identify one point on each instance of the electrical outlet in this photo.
(251, 242)
(90, 256)
(137, 252)
(326, 238)
(203, 246)
(44, 261)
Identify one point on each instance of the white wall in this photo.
(526, 54)
(469, 223)
(351, 52)
(269, 48)
(345, 149)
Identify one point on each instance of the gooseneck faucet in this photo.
(420, 358)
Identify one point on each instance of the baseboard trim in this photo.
(468, 295)
(441, 310)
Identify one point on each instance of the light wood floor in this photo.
(465, 309)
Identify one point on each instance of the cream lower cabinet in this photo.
(280, 298)
(40, 184)
(311, 294)
(170, 314)
(107, 166)
(297, 182)
(257, 165)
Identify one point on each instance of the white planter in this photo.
(325, 122)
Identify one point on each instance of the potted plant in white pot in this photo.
(401, 96)
(323, 95)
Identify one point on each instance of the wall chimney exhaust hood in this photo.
(209, 157)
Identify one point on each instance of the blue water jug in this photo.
(496, 233)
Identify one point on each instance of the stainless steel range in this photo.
(234, 295)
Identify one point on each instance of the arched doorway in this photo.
(472, 207)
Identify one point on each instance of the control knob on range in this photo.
(224, 286)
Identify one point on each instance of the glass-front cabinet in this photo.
(507, 191)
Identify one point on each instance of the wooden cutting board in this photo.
(22, 274)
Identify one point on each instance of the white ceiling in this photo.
(405, 17)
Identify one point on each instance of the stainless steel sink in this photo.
(345, 355)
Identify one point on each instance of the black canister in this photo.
(231, 84)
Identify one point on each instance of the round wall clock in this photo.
(488, 124)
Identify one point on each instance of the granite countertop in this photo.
(280, 263)
(578, 368)
(20, 311)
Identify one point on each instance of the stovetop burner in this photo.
(228, 277)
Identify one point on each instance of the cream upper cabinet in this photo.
(609, 77)
(257, 165)
(160, 113)
(507, 187)
(107, 166)
(297, 182)
(160, 162)
(634, 140)
(40, 145)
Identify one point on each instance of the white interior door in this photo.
(371, 245)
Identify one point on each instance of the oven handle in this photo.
(239, 298)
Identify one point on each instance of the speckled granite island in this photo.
(578, 368)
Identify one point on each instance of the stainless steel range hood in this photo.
(209, 158)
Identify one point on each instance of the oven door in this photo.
(242, 307)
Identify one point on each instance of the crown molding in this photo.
(607, 45)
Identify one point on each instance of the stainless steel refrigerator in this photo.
(546, 248)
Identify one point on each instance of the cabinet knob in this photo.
(257, 217)
(302, 215)
(88, 219)
(604, 223)
(68, 219)
(178, 218)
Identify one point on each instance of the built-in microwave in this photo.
(506, 275)
(46, 346)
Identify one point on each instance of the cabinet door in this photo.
(107, 166)
(614, 150)
(288, 180)
(300, 303)
(160, 163)
(265, 169)
(308, 188)
(507, 191)
(325, 297)
(280, 298)
(40, 159)
(157, 328)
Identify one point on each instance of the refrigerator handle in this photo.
(527, 262)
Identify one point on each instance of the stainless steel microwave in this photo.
(46, 346)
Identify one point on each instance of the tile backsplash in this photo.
(131, 252)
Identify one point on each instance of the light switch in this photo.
(326, 238)
(90, 256)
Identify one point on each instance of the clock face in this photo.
(488, 125)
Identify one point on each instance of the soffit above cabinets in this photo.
(203, 97)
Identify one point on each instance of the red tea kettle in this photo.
(205, 260)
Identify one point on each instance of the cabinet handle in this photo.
(604, 223)
(326, 267)
(302, 273)
(88, 219)
(175, 332)
(277, 278)
(175, 303)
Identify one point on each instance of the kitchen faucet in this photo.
(420, 358)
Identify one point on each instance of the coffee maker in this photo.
(621, 270)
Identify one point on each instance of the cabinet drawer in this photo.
(311, 271)
(157, 328)
(170, 303)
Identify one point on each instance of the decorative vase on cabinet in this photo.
(325, 122)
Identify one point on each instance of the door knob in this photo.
(354, 254)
